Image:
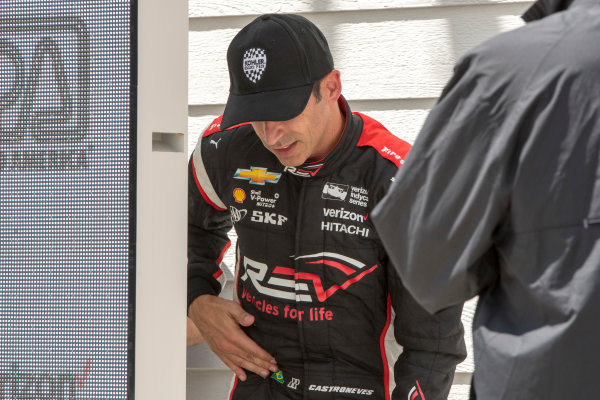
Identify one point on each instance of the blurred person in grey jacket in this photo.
(500, 197)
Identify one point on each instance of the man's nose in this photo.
(272, 132)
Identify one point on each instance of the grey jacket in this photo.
(500, 197)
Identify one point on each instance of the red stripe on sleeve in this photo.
(227, 246)
(420, 391)
(217, 274)
(204, 196)
(386, 371)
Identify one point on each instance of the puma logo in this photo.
(215, 143)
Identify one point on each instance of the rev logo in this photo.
(45, 85)
(416, 393)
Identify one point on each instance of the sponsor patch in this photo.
(294, 383)
(263, 201)
(344, 214)
(335, 191)
(268, 218)
(287, 284)
(237, 215)
(304, 172)
(340, 389)
(239, 195)
(254, 64)
(257, 175)
(352, 194)
(278, 376)
(416, 393)
(344, 228)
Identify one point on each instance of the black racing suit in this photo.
(311, 268)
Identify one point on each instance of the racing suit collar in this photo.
(337, 156)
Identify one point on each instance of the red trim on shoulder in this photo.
(204, 196)
(215, 126)
(375, 135)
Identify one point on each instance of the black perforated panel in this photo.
(66, 212)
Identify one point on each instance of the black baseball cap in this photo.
(273, 64)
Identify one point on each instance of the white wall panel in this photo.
(161, 201)
(201, 8)
(382, 54)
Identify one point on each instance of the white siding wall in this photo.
(395, 57)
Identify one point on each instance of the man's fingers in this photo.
(243, 318)
(248, 365)
(239, 372)
(219, 322)
(244, 348)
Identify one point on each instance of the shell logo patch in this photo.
(239, 195)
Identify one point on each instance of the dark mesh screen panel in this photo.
(66, 215)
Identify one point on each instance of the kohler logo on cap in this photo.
(254, 63)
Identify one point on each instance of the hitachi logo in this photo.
(343, 214)
(343, 228)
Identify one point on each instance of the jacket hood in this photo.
(543, 8)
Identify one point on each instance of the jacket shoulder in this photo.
(215, 127)
(388, 145)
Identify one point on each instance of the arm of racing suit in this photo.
(432, 345)
(208, 224)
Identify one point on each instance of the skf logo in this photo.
(237, 215)
(416, 393)
(239, 195)
(335, 191)
(268, 218)
(257, 175)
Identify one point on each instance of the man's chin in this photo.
(288, 163)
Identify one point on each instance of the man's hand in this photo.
(219, 322)
(194, 336)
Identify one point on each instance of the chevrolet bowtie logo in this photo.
(257, 175)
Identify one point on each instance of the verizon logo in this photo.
(343, 214)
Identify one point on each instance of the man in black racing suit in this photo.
(297, 174)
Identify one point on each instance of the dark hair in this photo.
(316, 90)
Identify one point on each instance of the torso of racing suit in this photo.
(311, 269)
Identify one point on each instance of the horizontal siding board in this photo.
(202, 8)
(403, 118)
(411, 52)
(208, 385)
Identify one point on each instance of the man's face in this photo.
(300, 139)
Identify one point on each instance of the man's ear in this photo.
(331, 86)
